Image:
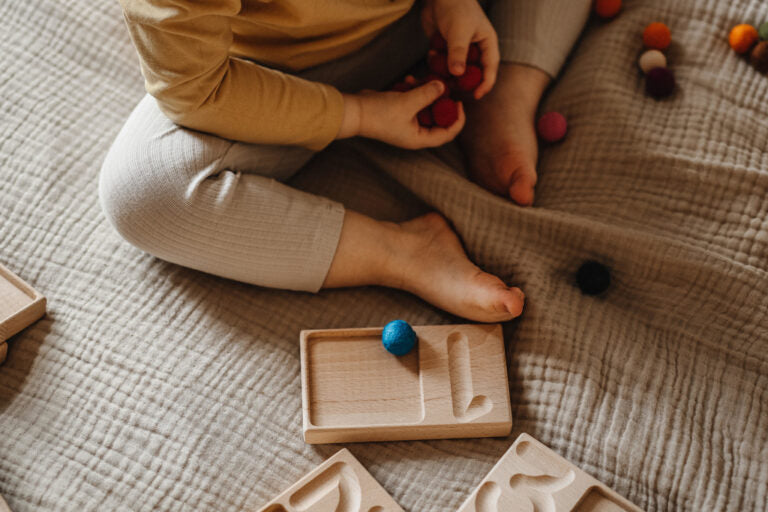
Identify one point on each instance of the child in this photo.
(241, 93)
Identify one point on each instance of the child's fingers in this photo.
(458, 38)
(428, 20)
(489, 54)
(421, 96)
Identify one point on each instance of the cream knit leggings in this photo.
(218, 205)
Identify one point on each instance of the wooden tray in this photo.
(530, 476)
(20, 306)
(453, 384)
(339, 483)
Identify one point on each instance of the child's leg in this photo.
(535, 36)
(214, 205)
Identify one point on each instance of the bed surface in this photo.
(152, 387)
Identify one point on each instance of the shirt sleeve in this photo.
(538, 33)
(183, 48)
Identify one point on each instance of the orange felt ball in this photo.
(607, 8)
(657, 36)
(742, 37)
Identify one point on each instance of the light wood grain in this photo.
(339, 483)
(20, 304)
(4, 506)
(453, 384)
(531, 476)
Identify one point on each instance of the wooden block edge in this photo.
(343, 455)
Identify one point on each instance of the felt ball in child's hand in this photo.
(445, 112)
(742, 37)
(398, 337)
(652, 59)
(659, 82)
(437, 42)
(552, 126)
(759, 57)
(471, 78)
(402, 87)
(657, 35)
(425, 118)
(762, 31)
(474, 54)
(607, 8)
(438, 64)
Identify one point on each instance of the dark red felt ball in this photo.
(473, 56)
(471, 78)
(402, 87)
(438, 64)
(425, 118)
(659, 82)
(437, 42)
(445, 112)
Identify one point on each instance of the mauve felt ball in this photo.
(762, 31)
(652, 59)
(759, 57)
(659, 82)
(398, 337)
(552, 126)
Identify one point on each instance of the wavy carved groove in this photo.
(466, 405)
(336, 489)
(539, 489)
(487, 499)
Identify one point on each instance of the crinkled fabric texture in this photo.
(152, 387)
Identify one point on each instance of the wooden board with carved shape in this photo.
(452, 384)
(4, 506)
(20, 306)
(340, 484)
(531, 477)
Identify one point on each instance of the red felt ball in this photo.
(659, 82)
(437, 42)
(425, 118)
(438, 64)
(474, 54)
(445, 112)
(552, 126)
(471, 78)
(402, 87)
(446, 84)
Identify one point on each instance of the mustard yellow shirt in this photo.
(201, 61)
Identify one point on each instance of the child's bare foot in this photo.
(499, 137)
(431, 263)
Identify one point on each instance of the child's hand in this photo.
(462, 22)
(391, 117)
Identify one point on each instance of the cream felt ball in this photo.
(652, 59)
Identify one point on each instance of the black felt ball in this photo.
(593, 278)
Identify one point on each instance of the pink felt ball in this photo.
(552, 126)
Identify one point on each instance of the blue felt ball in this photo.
(398, 337)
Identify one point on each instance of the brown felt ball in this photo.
(759, 57)
(445, 112)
